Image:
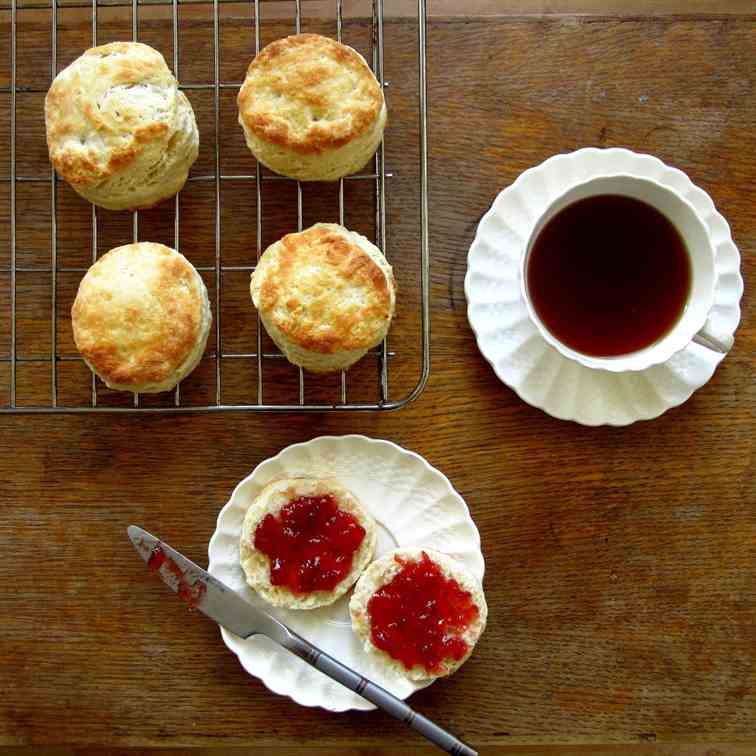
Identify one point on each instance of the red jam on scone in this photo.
(420, 616)
(310, 544)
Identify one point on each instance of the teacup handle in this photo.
(722, 346)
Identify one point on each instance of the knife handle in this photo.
(376, 694)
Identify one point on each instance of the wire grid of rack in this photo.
(378, 177)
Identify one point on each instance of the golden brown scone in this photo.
(325, 295)
(118, 128)
(270, 501)
(311, 108)
(141, 318)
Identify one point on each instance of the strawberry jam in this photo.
(417, 617)
(310, 543)
(192, 593)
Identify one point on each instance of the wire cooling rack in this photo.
(42, 373)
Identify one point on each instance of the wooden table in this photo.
(621, 563)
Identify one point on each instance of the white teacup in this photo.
(700, 252)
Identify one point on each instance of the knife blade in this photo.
(200, 590)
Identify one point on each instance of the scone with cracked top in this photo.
(119, 130)
(325, 295)
(141, 318)
(311, 108)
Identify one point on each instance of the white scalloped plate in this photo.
(414, 505)
(520, 356)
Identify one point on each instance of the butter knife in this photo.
(200, 590)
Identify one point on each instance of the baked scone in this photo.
(420, 611)
(119, 130)
(311, 108)
(325, 295)
(304, 542)
(141, 318)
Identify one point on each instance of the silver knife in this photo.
(208, 594)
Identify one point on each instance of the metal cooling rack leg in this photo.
(94, 207)
(424, 254)
(54, 228)
(339, 26)
(380, 176)
(298, 26)
(135, 214)
(94, 260)
(13, 206)
(258, 189)
(299, 228)
(176, 202)
(216, 109)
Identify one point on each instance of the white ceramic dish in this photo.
(509, 339)
(414, 505)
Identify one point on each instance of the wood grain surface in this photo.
(621, 563)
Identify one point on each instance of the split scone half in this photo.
(419, 611)
(304, 542)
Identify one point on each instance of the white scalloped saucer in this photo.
(520, 356)
(413, 503)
